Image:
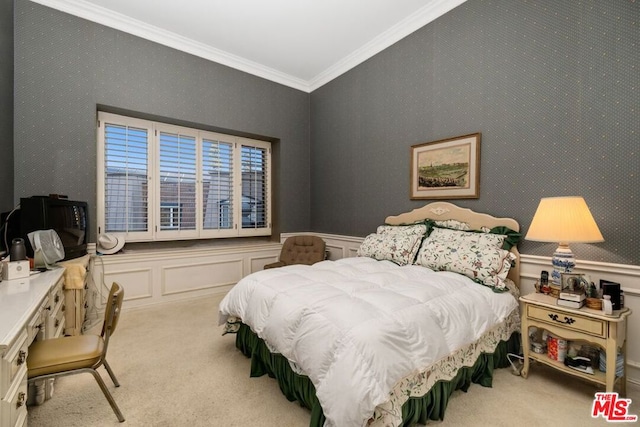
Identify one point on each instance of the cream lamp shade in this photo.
(564, 220)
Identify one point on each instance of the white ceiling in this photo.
(298, 43)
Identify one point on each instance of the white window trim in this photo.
(154, 233)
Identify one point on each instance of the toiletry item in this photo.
(613, 289)
(18, 252)
(607, 305)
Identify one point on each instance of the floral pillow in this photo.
(466, 237)
(477, 255)
(397, 247)
(419, 229)
(453, 224)
(511, 237)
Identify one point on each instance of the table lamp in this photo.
(564, 220)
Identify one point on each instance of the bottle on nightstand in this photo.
(544, 282)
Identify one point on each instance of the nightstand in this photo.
(584, 325)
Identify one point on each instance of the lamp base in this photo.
(563, 261)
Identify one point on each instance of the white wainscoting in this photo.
(151, 277)
(530, 267)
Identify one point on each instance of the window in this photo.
(163, 182)
(170, 216)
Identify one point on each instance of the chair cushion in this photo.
(275, 265)
(64, 354)
(302, 250)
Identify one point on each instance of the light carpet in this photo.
(175, 369)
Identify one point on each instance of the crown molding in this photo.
(393, 35)
(128, 25)
(103, 16)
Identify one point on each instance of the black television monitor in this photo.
(69, 218)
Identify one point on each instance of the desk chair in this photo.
(82, 353)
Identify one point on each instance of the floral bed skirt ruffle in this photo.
(418, 397)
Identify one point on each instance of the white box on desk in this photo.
(15, 270)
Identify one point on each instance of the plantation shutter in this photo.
(217, 184)
(256, 162)
(177, 176)
(126, 177)
(158, 181)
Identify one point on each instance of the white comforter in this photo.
(356, 326)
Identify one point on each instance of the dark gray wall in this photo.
(553, 88)
(66, 66)
(6, 105)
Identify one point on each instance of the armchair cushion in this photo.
(275, 265)
(300, 250)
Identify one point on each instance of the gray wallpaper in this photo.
(553, 88)
(6, 105)
(66, 66)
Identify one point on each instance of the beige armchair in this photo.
(300, 250)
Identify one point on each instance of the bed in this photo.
(428, 306)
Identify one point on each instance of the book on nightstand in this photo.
(573, 296)
(570, 303)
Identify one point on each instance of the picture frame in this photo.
(446, 169)
(572, 282)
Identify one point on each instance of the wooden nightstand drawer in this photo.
(567, 320)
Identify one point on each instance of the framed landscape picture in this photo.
(446, 169)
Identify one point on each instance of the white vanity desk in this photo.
(31, 308)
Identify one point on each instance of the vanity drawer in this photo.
(57, 295)
(12, 361)
(14, 408)
(58, 321)
(55, 312)
(35, 326)
(566, 320)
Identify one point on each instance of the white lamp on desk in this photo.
(564, 220)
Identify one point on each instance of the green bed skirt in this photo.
(415, 410)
